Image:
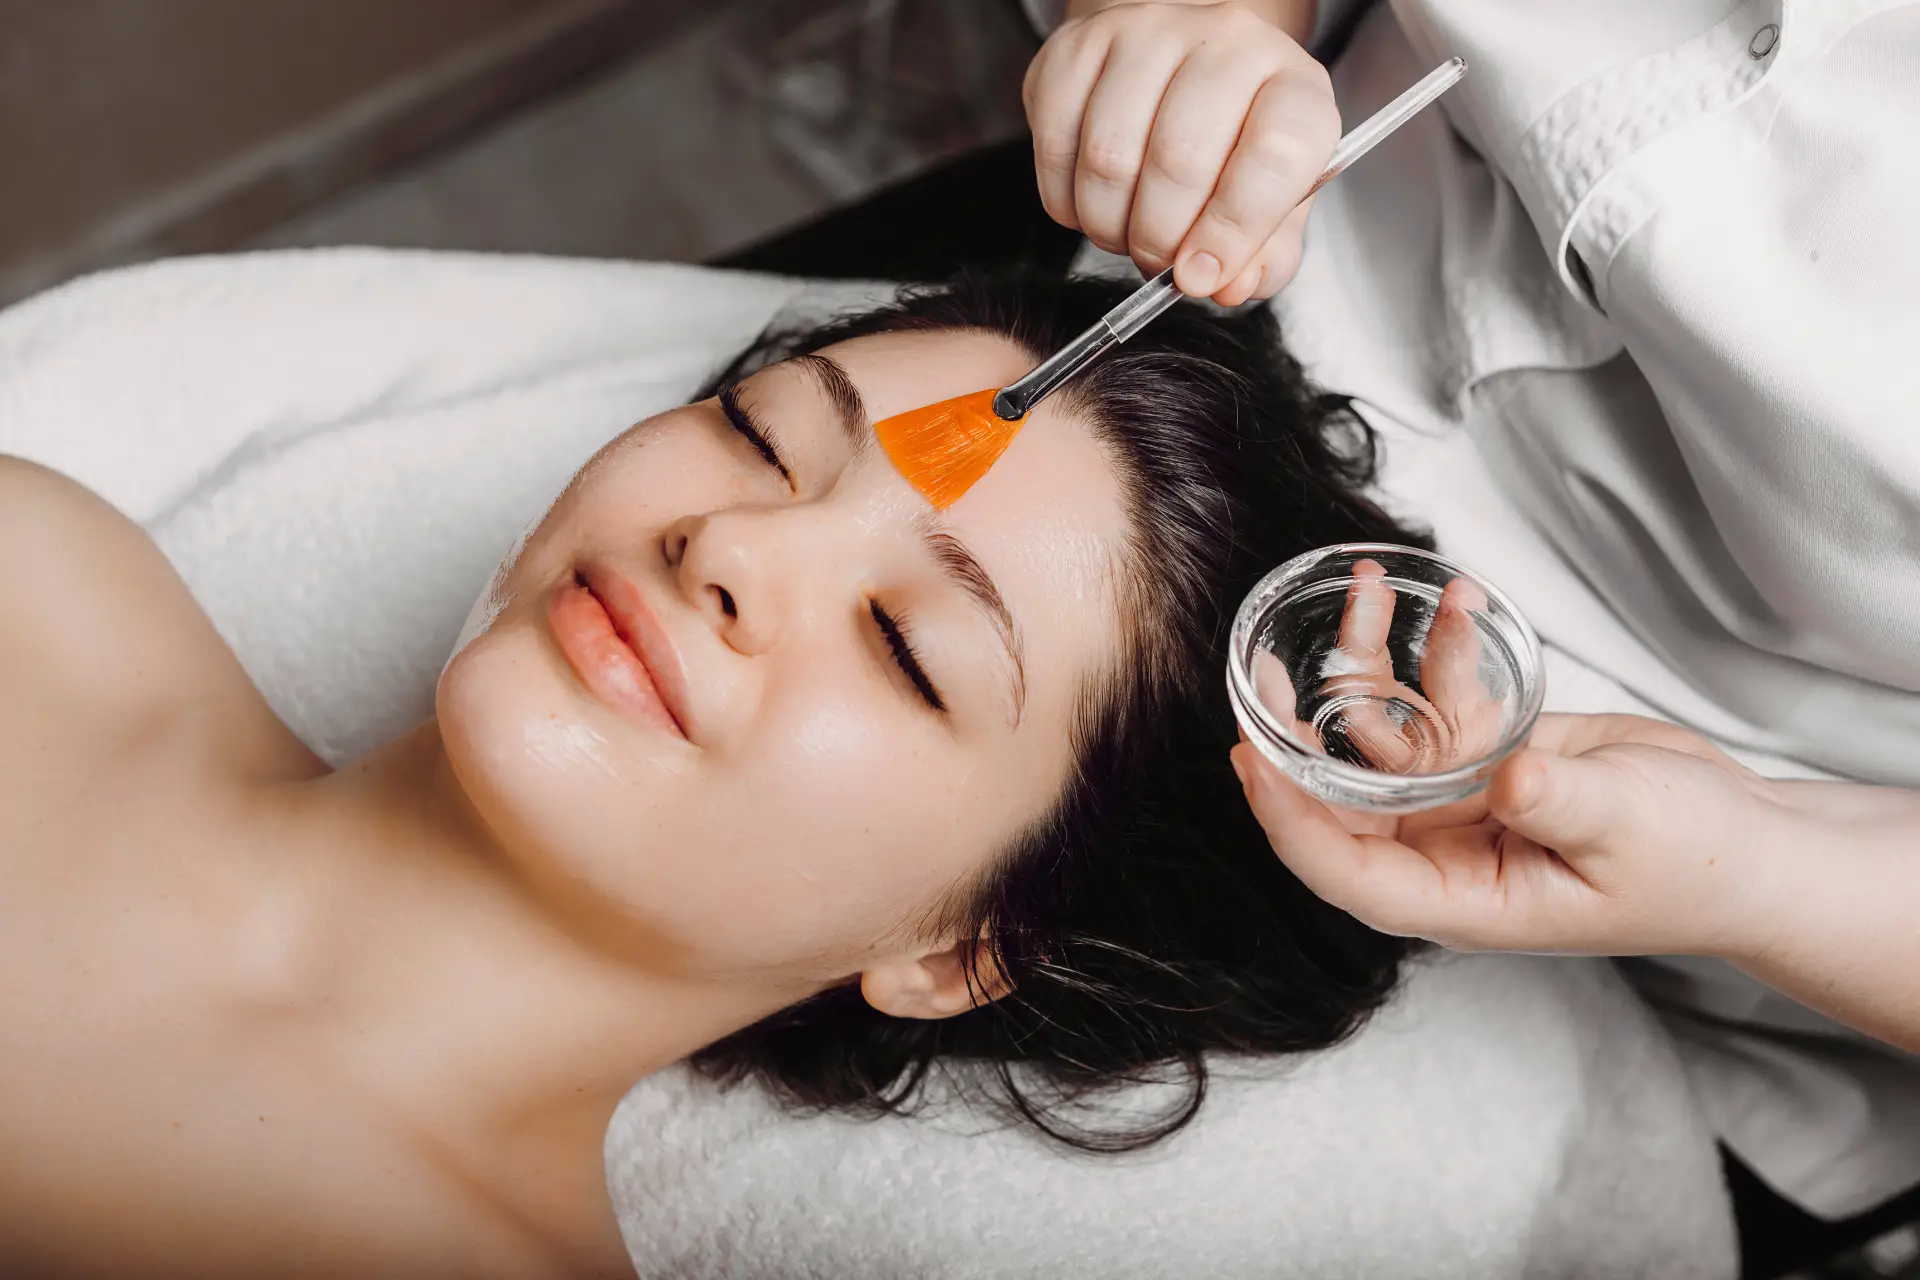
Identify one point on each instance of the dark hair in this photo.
(1145, 921)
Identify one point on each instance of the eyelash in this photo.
(893, 630)
(762, 439)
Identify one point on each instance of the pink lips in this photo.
(618, 648)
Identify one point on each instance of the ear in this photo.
(933, 984)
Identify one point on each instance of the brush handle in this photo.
(1017, 399)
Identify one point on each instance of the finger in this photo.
(1245, 285)
(1274, 687)
(1366, 875)
(1460, 813)
(1058, 83)
(1360, 661)
(1275, 266)
(1364, 624)
(1113, 138)
(1283, 148)
(1356, 821)
(1384, 744)
(1193, 134)
(1572, 734)
(1451, 675)
(1498, 890)
(1568, 804)
(1464, 854)
(1450, 665)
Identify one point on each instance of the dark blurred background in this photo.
(688, 130)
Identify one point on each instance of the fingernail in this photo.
(1239, 770)
(1202, 274)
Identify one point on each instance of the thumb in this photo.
(1563, 802)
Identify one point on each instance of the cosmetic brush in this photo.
(943, 449)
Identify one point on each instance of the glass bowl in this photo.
(1383, 678)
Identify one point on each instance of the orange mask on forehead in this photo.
(943, 449)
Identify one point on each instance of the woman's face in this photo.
(748, 699)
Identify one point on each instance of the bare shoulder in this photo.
(99, 637)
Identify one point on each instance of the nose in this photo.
(735, 568)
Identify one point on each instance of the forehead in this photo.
(1048, 522)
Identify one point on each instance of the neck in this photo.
(395, 928)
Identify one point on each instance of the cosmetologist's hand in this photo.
(1185, 134)
(1605, 835)
(1610, 835)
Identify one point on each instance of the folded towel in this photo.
(1504, 1116)
(335, 446)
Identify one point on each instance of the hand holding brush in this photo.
(943, 449)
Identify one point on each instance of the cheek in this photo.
(493, 601)
(635, 488)
(508, 704)
(567, 794)
(673, 466)
(838, 819)
(844, 821)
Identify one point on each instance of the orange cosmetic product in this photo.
(943, 449)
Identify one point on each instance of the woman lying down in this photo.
(750, 756)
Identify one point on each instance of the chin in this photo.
(518, 743)
(547, 769)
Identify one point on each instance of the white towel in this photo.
(334, 446)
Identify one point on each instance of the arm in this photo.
(1615, 835)
(1844, 935)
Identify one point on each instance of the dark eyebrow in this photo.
(964, 571)
(842, 394)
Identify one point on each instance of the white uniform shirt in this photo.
(1662, 269)
(1660, 261)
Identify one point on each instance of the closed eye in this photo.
(754, 433)
(892, 631)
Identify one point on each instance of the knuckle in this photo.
(1055, 151)
(1183, 160)
(1236, 21)
(1226, 228)
(1109, 160)
(1284, 153)
(1151, 252)
(1155, 16)
(1150, 235)
(1074, 37)
(1313, 74)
